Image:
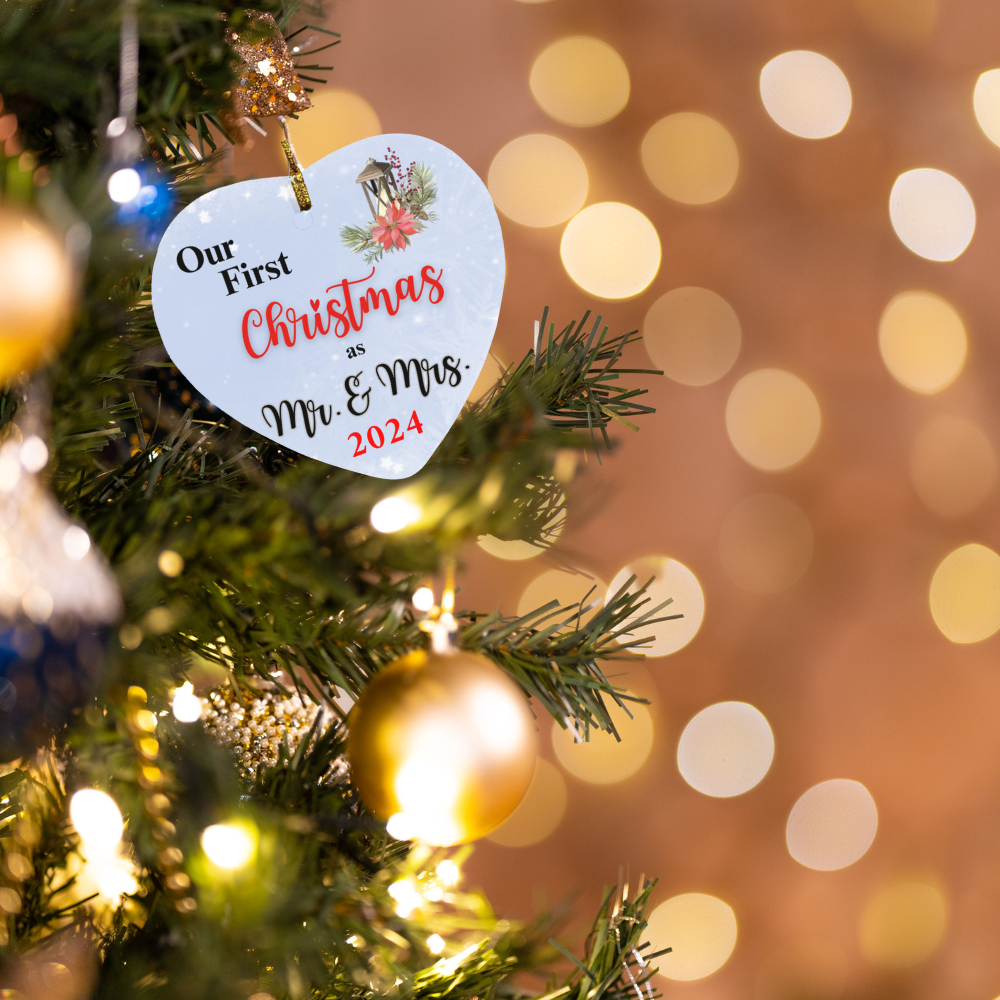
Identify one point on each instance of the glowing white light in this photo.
(429, 783)
(423, 599)
(116, 127)
(496, 719)
(806, 94)
(449, 872)
(435, 944)
(406, 896)
(34, 454)
(725, 749)
(124, 185)
(113, 875)
(986, 104)
(186, 704)
(76, 542)
(97, 819)
(932, 213)
(832, 825)
(401, 827)
(228, 845)
(393, 514)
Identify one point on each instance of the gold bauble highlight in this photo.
(36, 292)
(443, 747)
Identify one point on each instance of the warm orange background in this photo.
(847, 665)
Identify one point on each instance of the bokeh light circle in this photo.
(603, 760)
(932, 213)
(691, 158)
(832, 825)
(986, 104)
(611, 250)
(538, 180)
(516, 549)
(902, 924)
(699, 929)
(766, 543)
(692, 335)
(965, 594)
(922, 341)
(953, 466)
(337, 118)
(806, 94)
(671, 581)
(726, 749)
(773, 419)
(580, 81)
(539, 812)
(568, 589)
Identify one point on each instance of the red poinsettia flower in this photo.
(392, 226)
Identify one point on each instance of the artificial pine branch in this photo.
(282, 571)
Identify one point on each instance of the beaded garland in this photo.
(255, 729)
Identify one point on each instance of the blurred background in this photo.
(797, 204)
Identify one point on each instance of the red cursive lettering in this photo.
(343, 314)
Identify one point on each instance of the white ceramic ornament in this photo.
(359, 359)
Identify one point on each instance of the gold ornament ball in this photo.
(36, 291)
(443, 747)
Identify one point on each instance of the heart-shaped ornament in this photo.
(351, 333)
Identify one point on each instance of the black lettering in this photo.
(284, 264)
(351, 353)
(231, 284)
(451, 368)
(361, 348)
(272, 270)
(256, 273)
(247, 276)
(198, 256)
(226, 246)
(326, 418)
(352, 395)
(425, 387)
(217, 257)
(308, 410)
(438, 377)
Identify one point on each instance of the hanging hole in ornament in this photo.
(303, 220)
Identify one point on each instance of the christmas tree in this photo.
(180, 813)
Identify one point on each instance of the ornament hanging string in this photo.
(269, 86)
(298, 182)
(122, 129)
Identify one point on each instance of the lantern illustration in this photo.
(378, 180)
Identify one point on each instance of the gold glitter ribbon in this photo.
(294, 170)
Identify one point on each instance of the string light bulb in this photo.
(97, 819)
(392, 514)
(229, 845)
(423, 599)
(124, 185)
(186, 704)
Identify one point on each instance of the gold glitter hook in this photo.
(294, 170)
